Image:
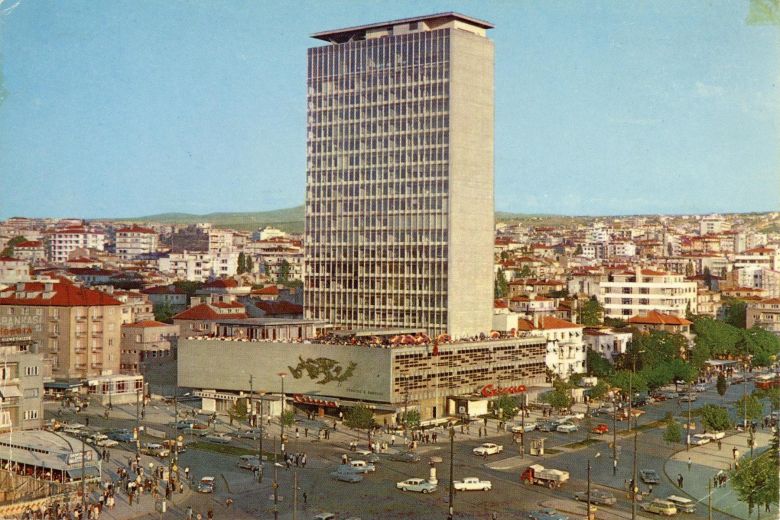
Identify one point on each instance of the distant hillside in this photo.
(287, 219)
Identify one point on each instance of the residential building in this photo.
(135, 241)
(607, 342)
(708, 303)
(63, 241)
(13, 270)
(199, 266)
(399, 200)
(763, 257)
(167, 295)
(270, 232)
(145, 342)
(201, 318)
(566, 353)
(78, 329)
(713, 224)
(657, 321)
(31, 251)
(765, 314)
(640, 291)
(21, 381)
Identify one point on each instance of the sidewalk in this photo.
(706, 461)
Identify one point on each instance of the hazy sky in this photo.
(128, 108)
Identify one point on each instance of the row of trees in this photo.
(717, 339)
(245, 263)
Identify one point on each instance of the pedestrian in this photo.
(305, 497)
(303, 460)
(680, 480)
(228, 502)
(392, 440)
(187, 473)
(494, 516)
(306, 432)
(689, 463)
(720, 445)
(189, 512)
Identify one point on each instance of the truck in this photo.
(537, 474)
(472, 484)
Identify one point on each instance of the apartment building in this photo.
(21, 381)
(200, 267)
(13, 270)
(167, 295)
(135, 241)
(145, 342)
(764, 257)
(77, 329)
(566, 353)
(31, 251)
(765, 314)
(63, 241)
(637, 292)
(607, 342)
(399, 199)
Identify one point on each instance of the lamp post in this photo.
(596, 456)
(276, 485)
(633, 478)
(281, 416)
(83, 478)
(260, 442)
(614, 436)
(451, 512)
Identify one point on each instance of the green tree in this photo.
(525, 272)
(770, 394)
(592, 312)
(715, 418)
(578, 250)
(238, 411)
(623, 379)
(600, 390)
(736, 312)
(755, 481)
(673, 432)
(8, 251)
(360, 417)
(163, 312)
(283, 272)
(722, 385)
(287, 418)
(249, 264)
(598, 365)
(558, 399)
(411, 419)
(501, 287)
(748, 407)
(241, 263)
(505, 407)
(188, 286)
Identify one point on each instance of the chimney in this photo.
(536, 320)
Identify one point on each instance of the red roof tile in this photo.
(29, 243)
(163, 289)
(280, 307)
(546, 323)
(270, 290)
(65, 295)
(137, 229)
(658, 318)
(146, 324)
(205, 311)
(222, 283)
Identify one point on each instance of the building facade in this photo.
(765, 314)
(640, 291)
(135, 241)
(77, 329)
(399, 199)
(61, 242)
(21, 382)
(146, 341)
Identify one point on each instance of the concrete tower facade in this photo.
(399, 196)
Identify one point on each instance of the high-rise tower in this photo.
(399, 192)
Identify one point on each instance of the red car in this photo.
(600, 429)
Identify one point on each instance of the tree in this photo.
(578, 250)
(163, 312)
(283, 272)
(411, 419)
(287, 418)
(188, 286)
(722, 385)
(673, 432)
(715, 418)
(770, 394)
(748, 408)
(501, 287)
(8, 251)
(505, 407)
(623, 379)
(249, 264)
(238, 411)
(241, 263)
(558, 399)
(592, 312)
(599, 391)
(525, 272)
(360, 417)
(755, 481)
(736, 312)
(598, 365)
(708, 278)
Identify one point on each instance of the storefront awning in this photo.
(90, 471)
(316, 401)
(61, 385)
(6, 392)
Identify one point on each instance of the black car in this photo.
(405, 456)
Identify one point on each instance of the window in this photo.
(31, 393)
(30, 414)
(31, 371)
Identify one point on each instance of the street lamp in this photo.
(596, 456)
(281, 416)
(451, 512)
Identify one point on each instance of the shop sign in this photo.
(492, 391)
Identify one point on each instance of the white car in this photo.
(488, 449)
(700, 439)
(519, 428)
(416, 484)
(472, 484)
(361, 466)
(715, 435)
(566, 428)
(700, 387)
(106, 443)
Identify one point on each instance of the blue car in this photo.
(547, 514)
(121, 435)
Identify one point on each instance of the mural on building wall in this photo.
(329, 369)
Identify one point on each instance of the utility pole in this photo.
(451, 513)
(614, 437)
(688, 430)
(281, 375)
(137, 422)
(83, 479)
(633, 479)
(709, 499)
(295, 486)
(260, 441)
(522, 425)
(276, 486)
(251, 404)
(587, 514)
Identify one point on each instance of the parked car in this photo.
(700, 387)
(253, 434)
(700, 439)
(488, 448)
(405, 456)
(660, 507)
(597, 496)
(219, 438)
(183, 425)
(649, 476)
(373, 458)
(206, 485)
(688, 398)
(671, 395)
(325, 516)
(106, 443)
(472, 484)
(567, 428)
(641, 400)
(715, 435)
(416, 484)
(547, 514)
(606, 409)
(601, 429)
(546, 426)
(520, 428)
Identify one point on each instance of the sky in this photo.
(130, 108)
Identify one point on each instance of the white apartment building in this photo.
(607, 342)
(640, 291)
(566, 352)
(61, 242)
(758, 277)
(399, 192)
(195, 266)
(220, 241)
(13, 270)
(621, 249)
(765, 257)
(134, 241)
(713, 224)
(270, 232)
(765, 314)
(31, 251)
